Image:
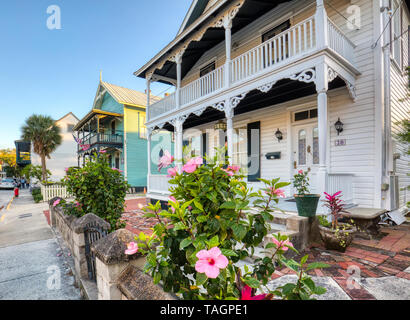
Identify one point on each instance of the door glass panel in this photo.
(302, 147)
(315, 146)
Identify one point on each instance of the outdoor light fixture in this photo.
(220, 125)
(339, 126)
(279, 135)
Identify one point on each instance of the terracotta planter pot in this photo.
(307, 204)
(336, 241)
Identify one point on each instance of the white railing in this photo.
(205, 85)
(341, 182)
(340, 43)
(163, 106)
(283, 47)
(159, 184)
(52, 191)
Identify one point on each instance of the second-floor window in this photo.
(207, 69)
(70, 127)
(283, 43)
(113, 127)
(397, 38)
(141, 126)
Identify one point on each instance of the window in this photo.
(396, 33)
(192, 147)
(315, 146)
(302, 147)
(282, 43)
(305, 115)
(207, 69)
(70, 127)
(240, 148)
(113, 127)
(142, 129)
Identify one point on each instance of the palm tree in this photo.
(45, 136)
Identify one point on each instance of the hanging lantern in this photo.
(339, 126)
(279, 135)
(220, 125)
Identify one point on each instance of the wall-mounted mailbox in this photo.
(273, 155)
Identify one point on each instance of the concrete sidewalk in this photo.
(31, 264)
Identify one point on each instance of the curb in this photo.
(9, 204)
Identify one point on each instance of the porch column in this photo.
(179, 143)
(322, 88)
(178, 61)
(321, 21)
(228, 44)
(229, 122)
(149, 132)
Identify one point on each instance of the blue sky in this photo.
(54, 72)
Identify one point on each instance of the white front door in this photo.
(305, 147)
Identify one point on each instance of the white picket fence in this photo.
(52, 191)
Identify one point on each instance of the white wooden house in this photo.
(290, 68)
(65, 155)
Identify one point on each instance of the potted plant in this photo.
(335, 235)
(305, 202)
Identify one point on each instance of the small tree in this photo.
(99, 189)
(45, 136)
(32, 171)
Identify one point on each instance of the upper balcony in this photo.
(288, 47)
(102, 140)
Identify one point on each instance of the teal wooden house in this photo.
(116, 124)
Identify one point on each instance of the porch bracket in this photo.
(307, 76)
(332, 75)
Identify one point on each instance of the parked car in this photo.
(7, 184)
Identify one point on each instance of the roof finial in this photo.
(100, 75)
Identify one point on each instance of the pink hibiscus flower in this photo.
(132, 248)
(210, 262)
(232, 170)
(192, 165)
(66, 169)
(56, 203)
(115, 169)
(278, 192)
(300, 171)
(103, 151)
(282, 245)
(246, 294)
(166, 160)
(172, 172)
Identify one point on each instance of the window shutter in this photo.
(254, 160)
(204, 146)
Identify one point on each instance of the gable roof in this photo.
(65, 116)
(123, 95)
(196, 9)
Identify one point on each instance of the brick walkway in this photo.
(387, 256)
(133, 216)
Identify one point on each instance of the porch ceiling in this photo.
(284, 91)
(250, 11)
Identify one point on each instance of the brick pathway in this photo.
(133, 216)
(389, 255)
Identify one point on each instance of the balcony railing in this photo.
(283, 49)
(103, 139)
(163, 106)
(294, 42)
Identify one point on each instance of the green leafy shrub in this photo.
(209, 227)
(99, 189)
(72, 208)
(37, 196)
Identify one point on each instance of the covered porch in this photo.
(272, 130)
(100, 130)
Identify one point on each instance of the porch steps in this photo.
(283, 223)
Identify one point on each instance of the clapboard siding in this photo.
(400, 108)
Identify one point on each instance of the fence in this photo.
(51, 191)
